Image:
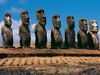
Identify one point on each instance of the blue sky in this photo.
(88, 9)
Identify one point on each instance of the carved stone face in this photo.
(42, 20)
(93, 26)
(25, 17)
(83, 24)
(7, 20)
(56, 21)
(41, 17)
(70, 22)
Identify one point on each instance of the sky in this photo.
(88, 9)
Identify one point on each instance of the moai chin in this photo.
(70, 33)
(40, 30)
(56, 36)
(92, 35)
(24, 31)
(82, 36)
(6, 32)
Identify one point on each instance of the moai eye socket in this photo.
(68, 17)
(56, 17)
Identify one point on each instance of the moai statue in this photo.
(82, 36)
(24, 31)
(6, 32)
(56, 37)
(93, 39)
(40, 30)
(70, 33)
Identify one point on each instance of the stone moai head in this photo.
(41, 17)
(83, 24)
(7, 20)
(56, 21)
(93, 26)
(25, 17)
(70, 22)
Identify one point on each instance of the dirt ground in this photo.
(54, 69)
(40, 66)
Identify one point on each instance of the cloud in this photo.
(1, 24)
(33, 25)
(15, 26)
(3, 1)
(16, 23)
(15, 10)
(32, 33)
(48, 36)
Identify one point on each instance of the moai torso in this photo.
(40, 30)
(56, 37)
(70, 33)
(41, 36)
(82, 36)
(93, 36)
(24, 31)
(6, 31)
